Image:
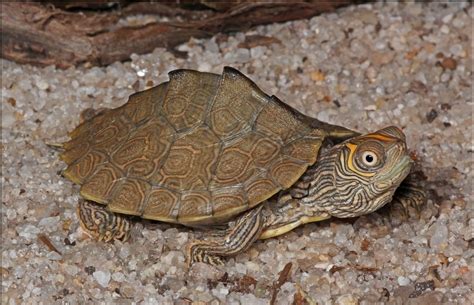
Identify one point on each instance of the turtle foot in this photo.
(102, 224)
(408, 201)
(198, 252)
(240, 235)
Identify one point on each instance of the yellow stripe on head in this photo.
(381, 137)
(388, 134)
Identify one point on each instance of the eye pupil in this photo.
(369, 158)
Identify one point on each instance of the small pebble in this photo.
(447, 18)
(118, 277)
(444, 29)
(439, 239)
(89, 269)
(403, 281)
(42, 85)
(102, 278)
(370, 108)
(317, 76)
(347, 300)
(431, 115)
(449, 63)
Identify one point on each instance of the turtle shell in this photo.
(195, 150)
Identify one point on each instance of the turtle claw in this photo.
(118, 229)
(105, 235)
(214, 260)
(108, 235)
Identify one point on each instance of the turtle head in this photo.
(366, 170)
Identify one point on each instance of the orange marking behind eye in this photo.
(381, 137)
(352, 148)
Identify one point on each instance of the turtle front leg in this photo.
(408, 198)
(102, 224)
(238, 238)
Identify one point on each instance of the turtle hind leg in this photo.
(102, 224)
(237, 238)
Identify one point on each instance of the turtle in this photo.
(214, 151)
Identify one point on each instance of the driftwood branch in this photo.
(41, 34)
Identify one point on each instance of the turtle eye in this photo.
(369, 158)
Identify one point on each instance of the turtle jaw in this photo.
(397, 166)
(396, 175)
(389, 182)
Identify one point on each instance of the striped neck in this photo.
(321, 189)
